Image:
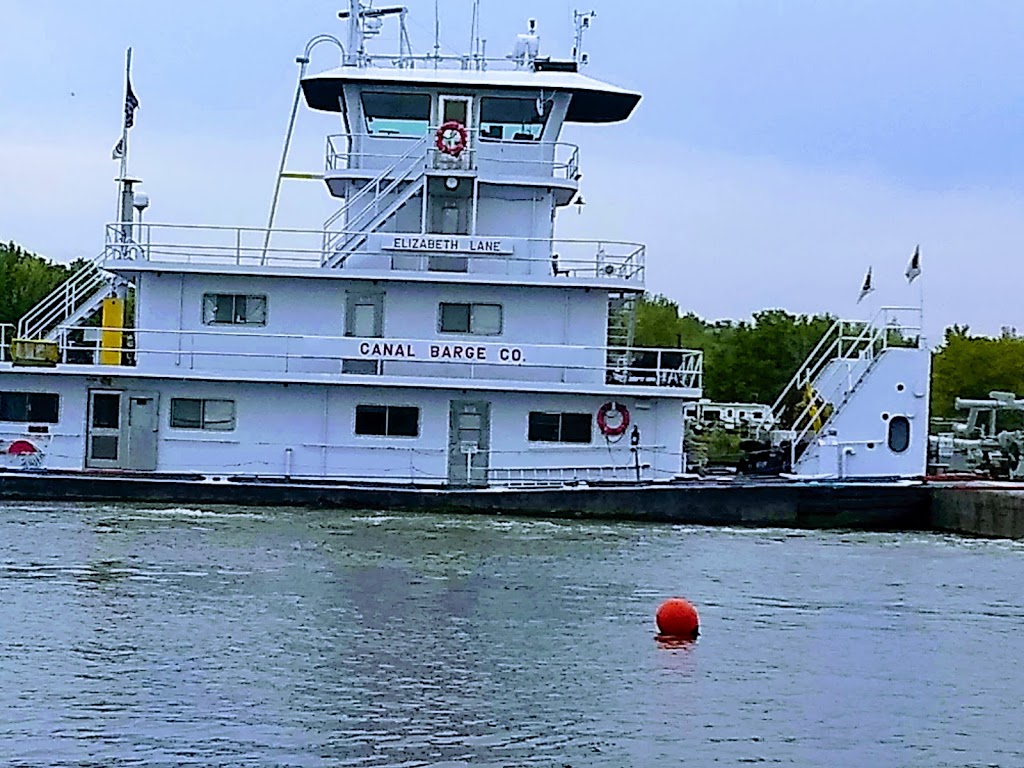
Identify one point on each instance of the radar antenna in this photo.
(582, 22)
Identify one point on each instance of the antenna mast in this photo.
(582, 24)
(354, 49)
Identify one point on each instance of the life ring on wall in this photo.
(21, 448)
(451, 138)
(612, 419)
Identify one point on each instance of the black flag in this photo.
(914, 267)
(131, 103)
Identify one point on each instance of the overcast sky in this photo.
(780, 149)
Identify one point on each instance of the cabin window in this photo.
(511, 119)
(899, 434)
(560, 427)
(190, 413)
(388, 420)
(234, 309)
(397, 114)
(24, 407)
(476, 319)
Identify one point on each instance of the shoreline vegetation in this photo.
(744, 360)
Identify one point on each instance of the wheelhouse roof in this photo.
(593, 101)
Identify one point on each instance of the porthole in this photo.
(899, 434)
(885, 417)
(900, 387)
(871, 446)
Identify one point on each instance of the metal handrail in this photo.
(336, 159)
(219, 244)
(376, 182)
(63, 300)
(643, 366)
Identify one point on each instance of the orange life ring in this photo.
(613, 429)
(451, 138)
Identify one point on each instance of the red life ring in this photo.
(451, 138)
(614, 429)
(21, 448)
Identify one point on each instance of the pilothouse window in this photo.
(397, 114)
(511, 119)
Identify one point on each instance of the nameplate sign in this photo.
(446, 244)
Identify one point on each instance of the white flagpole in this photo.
(124, 138)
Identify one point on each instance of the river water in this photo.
(207, 637)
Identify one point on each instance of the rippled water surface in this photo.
(133, 636)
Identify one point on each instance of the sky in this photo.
(780, 149)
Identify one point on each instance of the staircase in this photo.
(369, 208)
(69, 303)
(835, 369)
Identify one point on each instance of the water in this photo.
(209, 637)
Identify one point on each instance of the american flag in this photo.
(131, 103)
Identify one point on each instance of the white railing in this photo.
(305, 249)
(61, 303)
(811, 399)
(505, 157)
(6, 337)
(473, 358)
(366, 204)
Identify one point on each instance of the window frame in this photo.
(29, 396)
(471, 305)
(398, 134)
(387, 408)
(560, 438)
(204, 423)
(485, 124)
(234, 301)
(905, 427)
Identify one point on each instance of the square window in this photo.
(371, 420)
(13, 406)
(234, 309)
(455, 318)
(403, 421)
(104, 447)
(219, 415)
(543, 427)
(486, 319)
(186, 413)
(576, 428)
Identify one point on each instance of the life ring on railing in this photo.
(451, 138)
(612, 419)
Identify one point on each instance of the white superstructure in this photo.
(433, 330)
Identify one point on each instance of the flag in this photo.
(867, 287)
(914, 267)
(131, 103)
(118, 152)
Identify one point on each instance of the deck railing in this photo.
(290, 355)
(512, 157)
(305, 249)
(6, 337)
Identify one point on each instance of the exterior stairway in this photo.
(621, 331)
(835, 370)
(374, 204)
(69, 303)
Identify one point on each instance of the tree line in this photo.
(744, 361)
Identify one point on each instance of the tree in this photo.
(24, 279)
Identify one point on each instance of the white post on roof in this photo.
(354, 49)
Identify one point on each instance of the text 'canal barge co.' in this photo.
(417, 350)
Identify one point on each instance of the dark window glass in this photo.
(397, 114)
(224, 309)
(455, 318)
(371, 420)
(186, 413)
(899, 434)
(576, 428)
(36, 407)
(234, 309)
(511, 119)
(403, 421)
(544, 427)
(191, 413)
(106, 410)
(104, 447)
(560, 427)
(388, 420)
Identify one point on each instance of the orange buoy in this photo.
(677, 619)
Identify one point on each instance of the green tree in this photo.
(24, 279)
